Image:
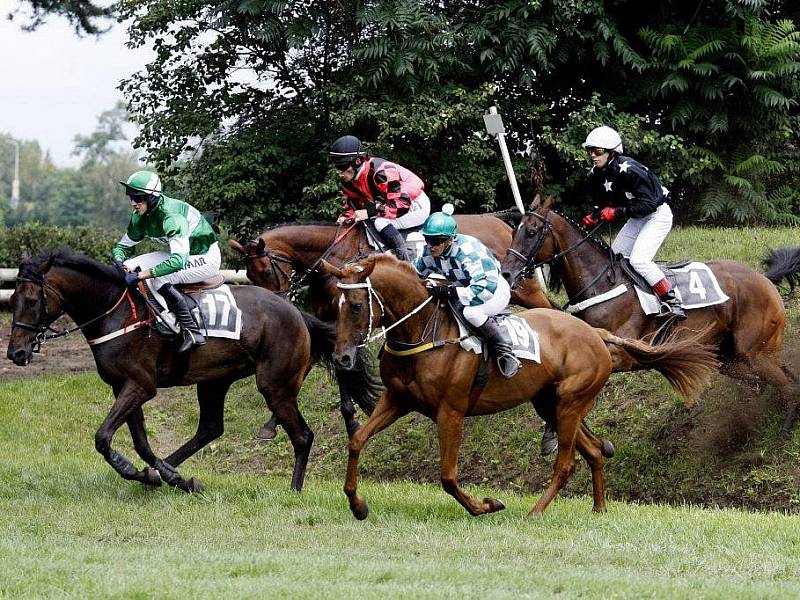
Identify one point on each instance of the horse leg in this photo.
(450, 424)
(269, 429)
(591, 448)
(211, 399)
(528, 294)
(348, 411)
(281, 398)
(128, 400)
(142, 446)
(386, 412)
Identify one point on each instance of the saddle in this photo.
(209, 284)
(414, 242)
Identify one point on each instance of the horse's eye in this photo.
(530, 232)
(356, 307)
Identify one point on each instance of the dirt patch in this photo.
(68, 354)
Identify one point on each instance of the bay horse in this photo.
(748, 329)
(381, 291)
(278, 344)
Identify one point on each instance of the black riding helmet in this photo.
(345, 151)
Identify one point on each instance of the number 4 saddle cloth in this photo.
(695, 285)
(214, 310)
(524, 339)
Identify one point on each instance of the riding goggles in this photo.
(595, 151)
(138, 198)
(436, 240)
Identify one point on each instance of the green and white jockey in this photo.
(193, 256)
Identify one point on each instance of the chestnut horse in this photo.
(280, 257)
(381, 291)
(278, 344)
(747, 329)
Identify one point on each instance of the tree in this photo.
(84, 15)
(412, 78)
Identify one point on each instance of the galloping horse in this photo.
(380, 291)
(281, 258)
(280, 255)
(278, 344)
(747, 329)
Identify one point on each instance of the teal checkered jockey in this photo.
(468, 264)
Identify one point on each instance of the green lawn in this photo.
(71, 527)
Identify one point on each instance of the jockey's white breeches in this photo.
(639, 240)
(419, 211)
(477, 315)
(198, 267)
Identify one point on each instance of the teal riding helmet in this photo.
(439, 224)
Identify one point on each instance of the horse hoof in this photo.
(360, 511)
(194, 486)
(151, 477)
(607, 449)
(494, 504)
(267, 433)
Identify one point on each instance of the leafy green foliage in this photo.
(245, 96)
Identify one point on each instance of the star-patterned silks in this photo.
(623, 168)
(608, 185)
(626, 183)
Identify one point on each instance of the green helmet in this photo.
(440, 224)
(143, 181)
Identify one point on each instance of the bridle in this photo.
(294, 280)
(42, 328)
(530, 264)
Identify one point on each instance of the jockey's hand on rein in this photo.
(609, 213)
(589, 221)
(442, 293)
(131, 279)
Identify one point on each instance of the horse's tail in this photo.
(687, 363)
(783, 263)
(359, 383)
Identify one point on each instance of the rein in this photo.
(296, 282)
(41, 330)
(530, 264)
(372, 293)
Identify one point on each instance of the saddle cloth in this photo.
(695, 285)
(215, 312)
(524, 339)
(415, 243)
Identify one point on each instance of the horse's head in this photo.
(266, 267)
(360, 308)
(533, 241)
(36, 304)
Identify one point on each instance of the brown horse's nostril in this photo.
(506, 275)
(343, 361)
(19, 357)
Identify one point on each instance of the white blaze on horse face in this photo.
(341, 300)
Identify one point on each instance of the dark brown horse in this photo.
(379, 291)
(279, 257)
(278, 344)
(747, 329)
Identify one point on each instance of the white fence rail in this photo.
(6, 275)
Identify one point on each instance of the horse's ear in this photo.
(329, 268)
(369, 264)
(237, 246)
(261, 245)
(548, 203)
(537, 202)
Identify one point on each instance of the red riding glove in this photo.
(589, 221)
(608, 214)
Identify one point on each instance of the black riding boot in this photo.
(671, 306)
(396, 242)
(496, 335)
(176, 302)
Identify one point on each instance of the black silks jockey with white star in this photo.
(626, 189)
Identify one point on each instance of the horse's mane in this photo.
(34, 268)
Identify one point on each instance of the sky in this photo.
(54, 85)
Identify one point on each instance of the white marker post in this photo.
(495, 127)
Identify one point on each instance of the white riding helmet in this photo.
(604, 137)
